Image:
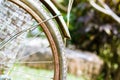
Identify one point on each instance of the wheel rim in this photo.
(49, 36)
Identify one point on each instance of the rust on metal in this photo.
(29, 8)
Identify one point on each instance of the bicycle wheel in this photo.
(18, 18)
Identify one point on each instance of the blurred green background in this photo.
(97, 32)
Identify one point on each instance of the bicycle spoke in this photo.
(20, 26)
(29, 74)
(19, 33)
(38, 62)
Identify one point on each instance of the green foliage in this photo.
(94, 31)
(27, 73)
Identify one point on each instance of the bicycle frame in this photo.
(59, 19)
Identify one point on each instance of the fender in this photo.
(54, 11)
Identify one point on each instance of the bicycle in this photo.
(17, 19)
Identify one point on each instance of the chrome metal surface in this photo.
(59, 19)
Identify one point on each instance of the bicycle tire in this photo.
(52, 32)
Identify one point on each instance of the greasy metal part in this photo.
(59, 19)
(29, 9)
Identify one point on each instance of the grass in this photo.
(26, 73)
